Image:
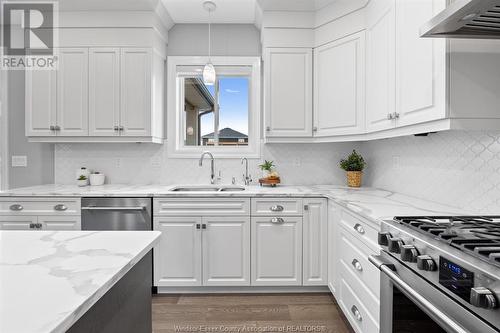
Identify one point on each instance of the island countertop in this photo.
(49, 279)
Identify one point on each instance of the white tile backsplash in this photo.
(298, 164)
(458, 168)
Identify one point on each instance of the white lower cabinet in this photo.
(226, 251)
(202, 251)
(276, 251)
(315, 238)
(333, 248)
(17, 222)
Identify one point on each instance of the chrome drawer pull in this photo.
(357, 265)
(16, 207)
(277, 220)
(60, 207)
(356, 313)
(32, 226)
(277, 208)
(359, 228)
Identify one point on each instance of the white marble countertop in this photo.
(371, 203)
(48, 279)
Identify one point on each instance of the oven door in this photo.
(409, 303)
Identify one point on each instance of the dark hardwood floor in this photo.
(259, 313)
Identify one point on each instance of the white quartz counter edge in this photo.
(31, 316)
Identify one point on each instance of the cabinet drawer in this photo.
(354, 309)
(277, 207)
(17, 222)
(201, 207)
(360, 229)
(354, 255)
(39, 206)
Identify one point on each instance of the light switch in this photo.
(20, 161)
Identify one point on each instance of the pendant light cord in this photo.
(209, 36)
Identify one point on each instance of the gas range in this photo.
(458, 256)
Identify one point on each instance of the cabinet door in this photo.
(178, 256)
(17, 222)
(315, 237)
(226, 251)
(380, 70)
(104, 91)
(333, 249)
(288, 92)
(339, 81)
(40, 99)
(276, 251)
(72, 92)
(136, 94)
(60, 222)
(420, 64)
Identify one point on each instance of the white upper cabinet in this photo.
(136, 94)
(420, 65)
(72, 92)
(104, 92)
(41, 99)
(380, 65)
(288, 92)
(339, 85)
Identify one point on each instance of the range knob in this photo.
(409, 253)
(483, 298)
(395, 244)
(383, 238)
(426, 263)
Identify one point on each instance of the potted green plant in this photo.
(354, 165)
(82, 181)
(268, 168)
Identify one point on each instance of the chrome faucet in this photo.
(212, 165)
(246, 177)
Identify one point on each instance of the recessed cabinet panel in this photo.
(72, 92)
(104, 92)
(41, 102)
(17, 222)
(380, 36)
(178, 256)
(288, 92)
(60, 222)
(136, 95)
(226, 251)
(420, 64)
(276, 251)
(339, 69)
(315, 238)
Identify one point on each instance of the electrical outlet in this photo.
(396, 163)
(297, 162)
(155, 162)
(19, 161)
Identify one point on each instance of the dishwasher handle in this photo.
(122, 208)
(440, 317)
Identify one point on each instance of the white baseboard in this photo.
(241, 290)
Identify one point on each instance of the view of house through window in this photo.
(216, 115)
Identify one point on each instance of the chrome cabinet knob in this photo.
(60, 207)
(409, 253)
(121, 128)
(16, 207)
(356, 313)
(268, 128)
(383, 238)
(315, 129)
(116, 128)
(277, 220)
(276, 208)
(359, 228)
(57, 128)
(396, 115)
(395, 245)
(52, 127)
(483, 298)
(357, 265)
(32, 226)
(390, 116)
(426, 263)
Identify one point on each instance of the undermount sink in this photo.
(196, 188)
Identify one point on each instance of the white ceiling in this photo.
(84, 5)
(294, 5)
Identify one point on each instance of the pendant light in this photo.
(209, 69)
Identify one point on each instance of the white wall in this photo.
(457, 168)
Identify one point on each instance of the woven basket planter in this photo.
(354, 178)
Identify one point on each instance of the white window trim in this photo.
(175, 135)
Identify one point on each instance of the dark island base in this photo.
(125, 308)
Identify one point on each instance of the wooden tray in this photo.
(269, 181)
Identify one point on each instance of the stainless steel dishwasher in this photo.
(117, 214)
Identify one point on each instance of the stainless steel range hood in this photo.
(479, 19)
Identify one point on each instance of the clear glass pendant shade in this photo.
(209, 74)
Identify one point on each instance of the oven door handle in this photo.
(129, 208)
(437, 315)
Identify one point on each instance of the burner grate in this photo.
(476, 235)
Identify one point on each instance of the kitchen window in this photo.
(223, 118)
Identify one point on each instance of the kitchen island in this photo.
(76, 281)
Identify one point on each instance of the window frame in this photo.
(175, 126)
